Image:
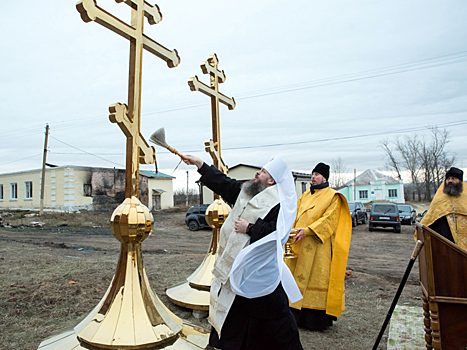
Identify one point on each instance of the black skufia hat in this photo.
(322, 169)
(455, 172)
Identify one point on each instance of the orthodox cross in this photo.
(128, 117)
(210, 66)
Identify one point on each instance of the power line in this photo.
(17, 160)
(339, 79)
(401, 131)
(390, 132)
(386, 132)
(91, 154)
(433, 62)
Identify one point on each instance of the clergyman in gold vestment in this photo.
(447, 214)
(322, 244)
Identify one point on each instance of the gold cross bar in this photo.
(128, 117)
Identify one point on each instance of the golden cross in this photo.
(213, 147)
(128, 117)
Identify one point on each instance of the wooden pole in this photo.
(44, 157)
(416, 251)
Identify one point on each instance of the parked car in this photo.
(421, 216)
(195, 217)
(385, 215)
(407, 214)
(358, 213)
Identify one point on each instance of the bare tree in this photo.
(408, 149)
(425, 158)
(338, 173)
(180, 195)
(393, 163)
(440, 138)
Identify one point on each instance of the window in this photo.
(303, 187)
(384, 208)
(392, 193)
(87, 189)
(28, 190)
(363, 194)
(14, 190)
(1, 192)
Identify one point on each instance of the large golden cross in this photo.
(128, 117)
(210, 66)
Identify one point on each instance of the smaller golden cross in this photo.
(210, 66)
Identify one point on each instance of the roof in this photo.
(148, 173)
(369, 176)
(153, 174)
(294, 173)
(247, 165)
(54, 168)
(304, 175)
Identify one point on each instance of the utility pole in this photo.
(44, 157)
(187, 188)
(355, 184)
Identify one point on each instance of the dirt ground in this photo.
(37, 265)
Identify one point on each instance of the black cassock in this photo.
(442, 227)
(258, 323)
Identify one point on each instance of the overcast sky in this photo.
(313, 81)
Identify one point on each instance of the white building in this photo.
(78, 187)
(371, 186)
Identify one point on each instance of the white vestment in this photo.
(230, 245)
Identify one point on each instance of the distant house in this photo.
(245, 172)
(371, 186)
(160, 190)
(78, 187)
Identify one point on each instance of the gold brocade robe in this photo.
(326, 219)
(445, 205)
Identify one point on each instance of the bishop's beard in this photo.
(453, 190)
(252, 188)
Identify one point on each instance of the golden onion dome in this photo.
(131, 221)
(217, 213)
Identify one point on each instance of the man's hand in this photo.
(241, 225)
(299, 236)
(192, 160)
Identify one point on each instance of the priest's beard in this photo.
(453, 190)
(252, 188)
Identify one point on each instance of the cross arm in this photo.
(152, 13)
(196, 85)
(207, 69)
(147, 154)
(170, 56)
(209, 147)
(89, 11)
(210, 66)
(119, 115)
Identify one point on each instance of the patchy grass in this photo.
(37, 299)
(51, 218)
(36, 296)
